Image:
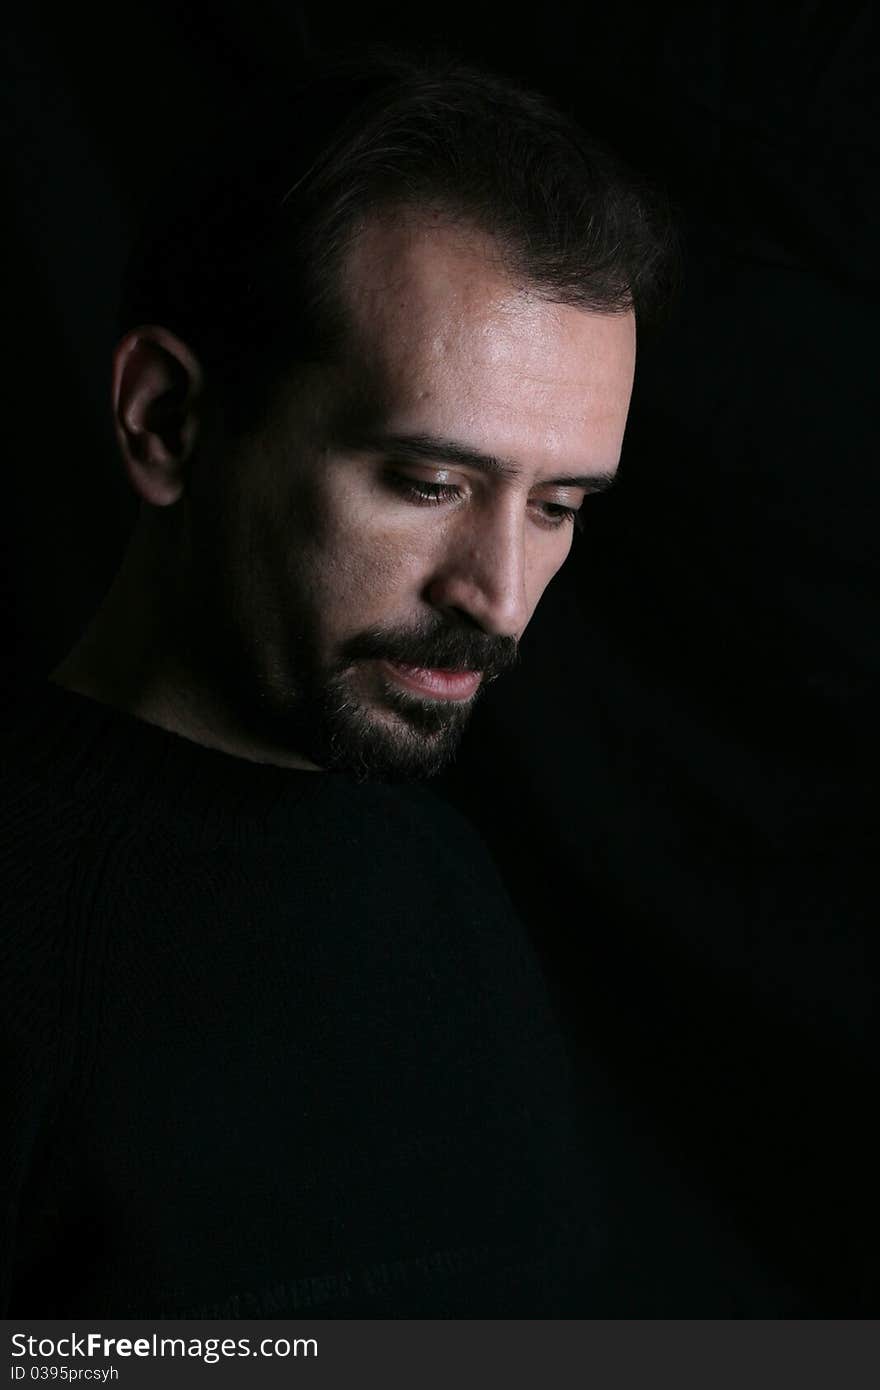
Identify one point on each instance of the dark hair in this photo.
(243, 260)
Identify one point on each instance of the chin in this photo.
(392, 746)
(390, 735)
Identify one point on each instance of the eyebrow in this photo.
(430, 448)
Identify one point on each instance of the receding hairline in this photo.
(249, 266)
(480, 242)
(480, 246)
(357, 371)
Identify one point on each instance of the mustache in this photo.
(443, 646)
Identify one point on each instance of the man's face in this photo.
(380, 544)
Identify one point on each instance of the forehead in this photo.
(452, 343)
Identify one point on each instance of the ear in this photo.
(157, 390)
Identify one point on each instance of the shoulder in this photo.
(439, 860)
(414, 824)
(45, 853)
(43, 822)
(40, 844)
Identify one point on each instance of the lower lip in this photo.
(440, 685)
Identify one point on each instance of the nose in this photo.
(481, 573)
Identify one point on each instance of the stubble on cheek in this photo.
(352, 568)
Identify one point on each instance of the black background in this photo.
(678, 781)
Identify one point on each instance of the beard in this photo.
(397, 734)
(411, 738)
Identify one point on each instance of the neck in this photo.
(139, 654)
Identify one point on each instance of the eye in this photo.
(554, 515)
(421, 492)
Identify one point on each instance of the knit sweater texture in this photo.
(272, 1042)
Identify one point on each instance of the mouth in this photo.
(435, 682)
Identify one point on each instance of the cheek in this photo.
(546, 561)
(357, 569)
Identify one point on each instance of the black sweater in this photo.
(272, 1043)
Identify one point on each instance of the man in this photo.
(276, 1042)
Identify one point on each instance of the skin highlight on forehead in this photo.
(443, 331)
